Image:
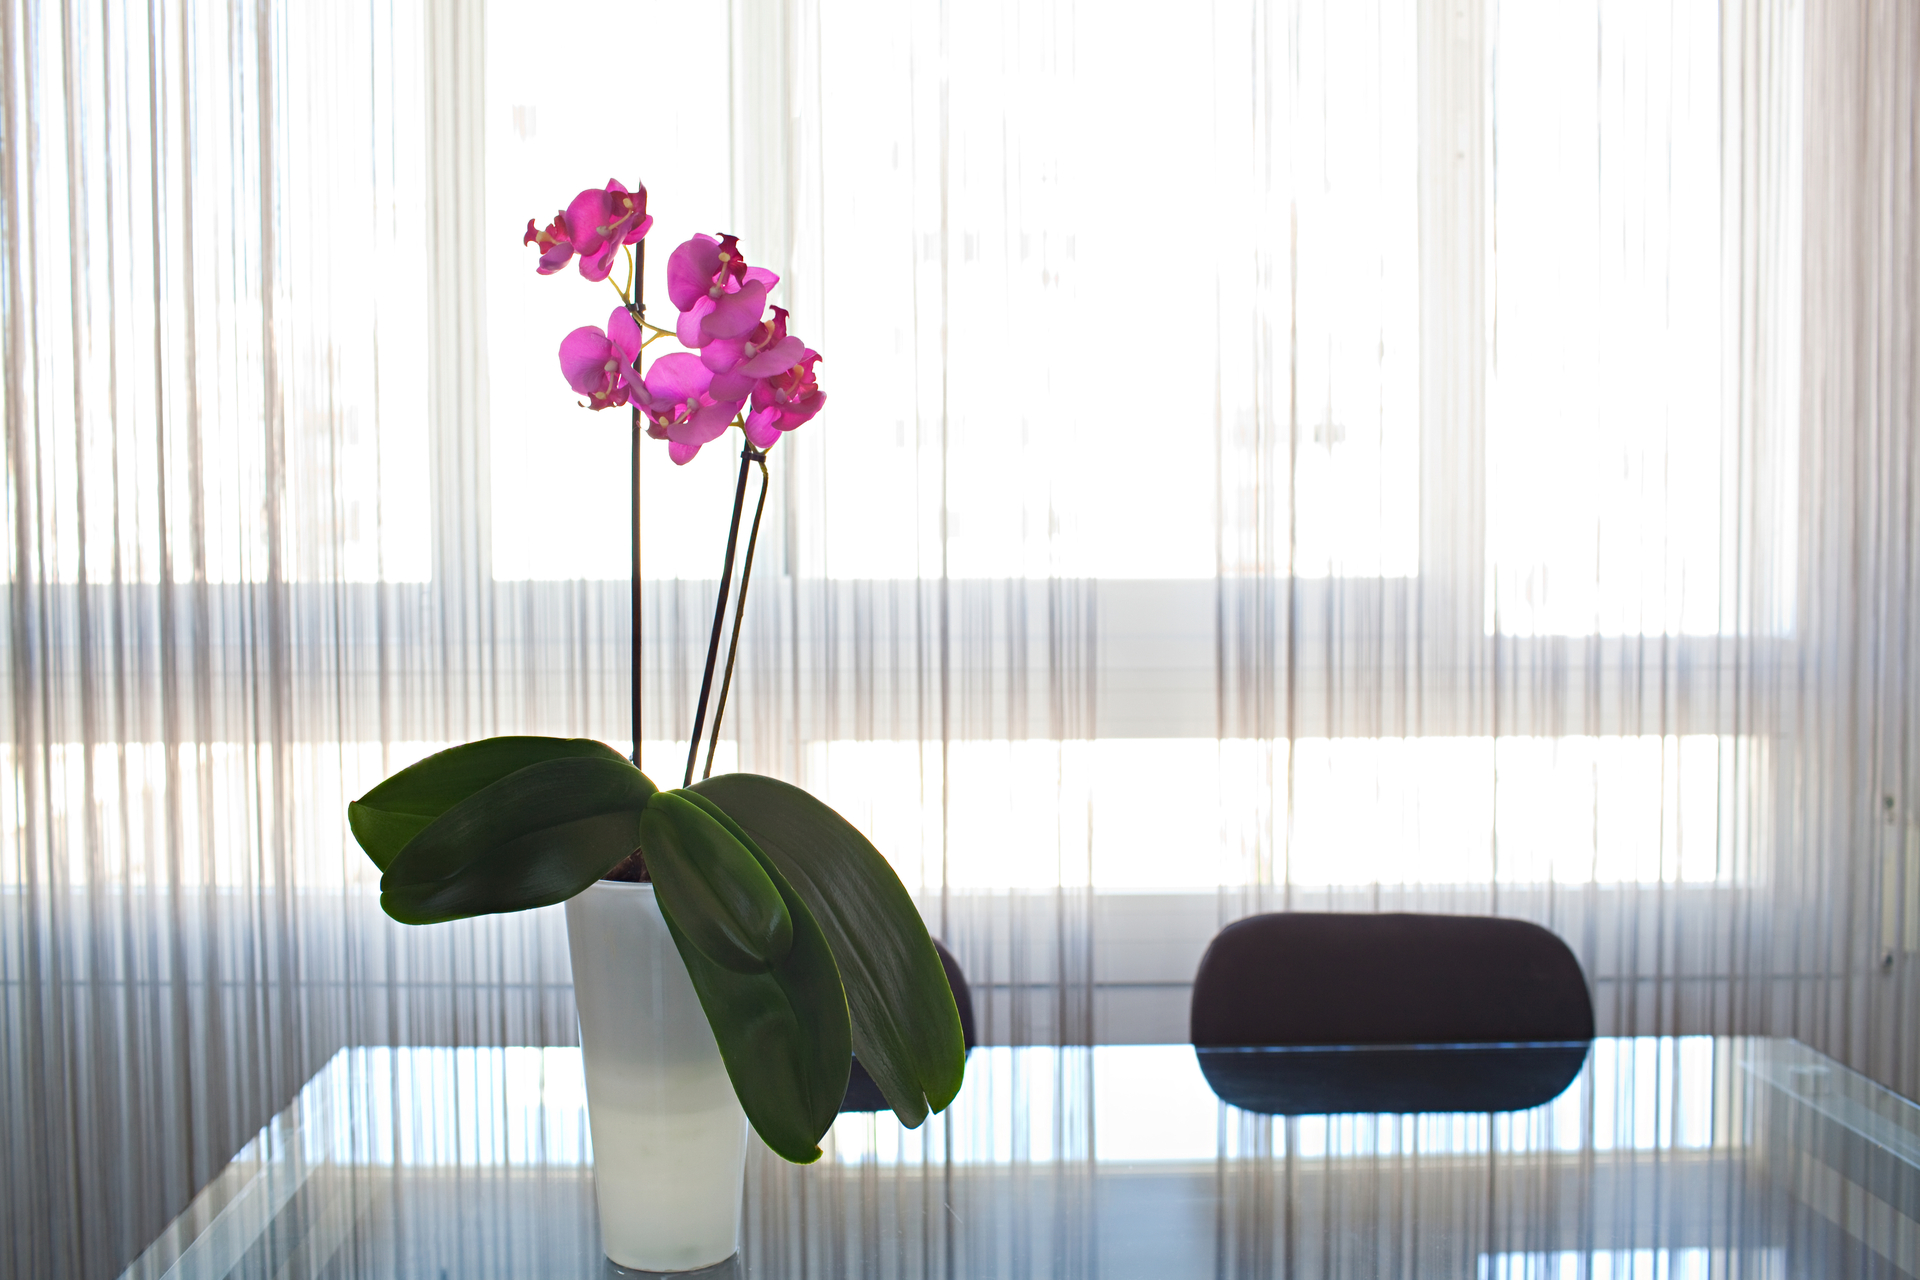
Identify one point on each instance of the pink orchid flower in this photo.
(764, 351)
(784, 401)
(556, 243)
(678, 398)
(718, 294)
(602, 221)
(599, 364)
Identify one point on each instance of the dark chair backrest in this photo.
(862, 1093)
(1346, 979)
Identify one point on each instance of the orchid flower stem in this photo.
(640, 306)
(748, 456)
(739, 611)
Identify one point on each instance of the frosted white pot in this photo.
(669, 1138)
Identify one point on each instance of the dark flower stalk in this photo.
(748, 456)
(739, 611)
(638, 306)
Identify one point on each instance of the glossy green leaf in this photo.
(783, 1033)
(393, 813)
(535, 837)
(722, 898)
(904, 1023)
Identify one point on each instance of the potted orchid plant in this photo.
(735, 942)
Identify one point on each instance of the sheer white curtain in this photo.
(1297, 455)
(1352, 455)
(1847, 813)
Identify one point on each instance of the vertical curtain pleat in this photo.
(1849, 846)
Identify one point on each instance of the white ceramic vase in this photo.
(669, 1138)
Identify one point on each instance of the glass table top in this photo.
(1665, 1159)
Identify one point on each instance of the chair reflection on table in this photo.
(1310, 1014)
(1308, 1081)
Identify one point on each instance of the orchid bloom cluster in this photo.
(737, 354)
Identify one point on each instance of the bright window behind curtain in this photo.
(1027, 226)
(560, 472)
(1614, 460)
(1128, 299)
(1018, 292)
(105, 226)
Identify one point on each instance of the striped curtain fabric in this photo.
(1280, 456)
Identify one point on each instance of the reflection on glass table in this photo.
(1665, 1158)
(1449, 1079)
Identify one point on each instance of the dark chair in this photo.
(862, 1093)
(1302, 1014)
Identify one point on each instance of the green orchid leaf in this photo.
(722, 898)
(533, 838)
(382, 832)
(393, 813)
(904, 1023)
(783, 1033)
